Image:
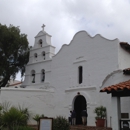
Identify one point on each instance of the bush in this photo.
(60, 123)
(24, 128)
(26, 112)
(20, 128)
(37, 118)
(0, 117)
(13, 117)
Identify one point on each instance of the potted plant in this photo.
(100, 116)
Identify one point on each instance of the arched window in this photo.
(33, 76)
(43, 76)
(40, 42)
(44, 55)
(80, 76)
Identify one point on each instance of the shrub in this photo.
(37, 118)
(13, 117)
(60, 123)
(0, 117)
(26, 112)
(5, 106)
(20, 128)
(24, 128)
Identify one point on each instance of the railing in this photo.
(124, 124)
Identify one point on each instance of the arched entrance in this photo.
(79, 105)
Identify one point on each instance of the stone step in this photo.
(81, 127)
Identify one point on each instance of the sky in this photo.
(64, 18)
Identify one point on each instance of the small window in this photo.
(33, 76)
(125, 115)
(40, 42)
(35, 55)
(44, 55)
(80, 76)
(43, 76)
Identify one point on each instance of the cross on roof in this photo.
(43, 27)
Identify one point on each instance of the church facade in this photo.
(71, 79)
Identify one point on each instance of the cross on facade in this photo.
(43, 27)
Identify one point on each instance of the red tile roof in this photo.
(125, 46)
(126, 71)
(117, 87)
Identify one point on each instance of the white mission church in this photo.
(72, 79)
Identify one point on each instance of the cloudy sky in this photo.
(63, 18)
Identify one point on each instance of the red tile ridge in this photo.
(116, 87)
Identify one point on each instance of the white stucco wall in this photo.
(38, 101)
(124, 58)
(98, 56)
(91, 53)
(38, 67)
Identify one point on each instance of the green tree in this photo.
(14, 53)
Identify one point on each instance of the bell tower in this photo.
(42, 50)
(38, 72)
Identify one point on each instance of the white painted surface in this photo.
(115, 113)
(98, 56)
(124, 58)
(37, 100)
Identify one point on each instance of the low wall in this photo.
(38, 101)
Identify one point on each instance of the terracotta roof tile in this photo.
(126, 71)
(125, 46)
(116, 87)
